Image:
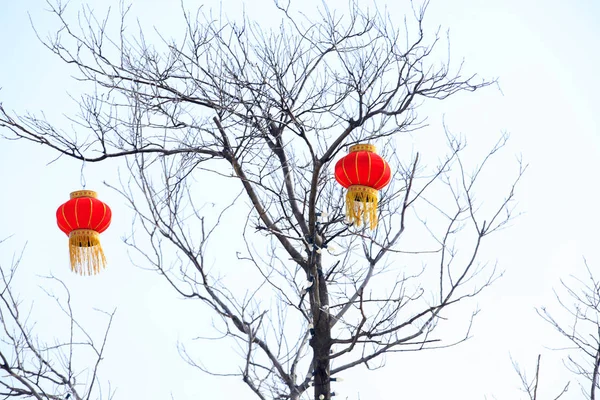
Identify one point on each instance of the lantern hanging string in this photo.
(82, 176)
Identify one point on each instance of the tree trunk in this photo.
(321, 341)
(322, 380)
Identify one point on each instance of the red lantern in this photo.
(83, 218)
(363, 173)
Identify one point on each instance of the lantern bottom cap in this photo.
(363, 191)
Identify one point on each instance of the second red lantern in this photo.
(363, 172)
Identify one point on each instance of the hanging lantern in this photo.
(83, 218)
(363, 173)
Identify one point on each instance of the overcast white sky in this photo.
(546, 57)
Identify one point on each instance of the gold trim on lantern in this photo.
(87, 256)
(361, 205)
(363, 147)
(84, 193)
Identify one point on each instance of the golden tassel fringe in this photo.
(361, 205)
(87, 257)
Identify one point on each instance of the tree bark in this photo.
(321, 341)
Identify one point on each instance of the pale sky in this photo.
(545, 55)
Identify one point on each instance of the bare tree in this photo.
(267, 111)
(580, 301)
(30, 367)
(530, 387)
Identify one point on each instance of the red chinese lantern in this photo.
(83, 218)
(363, 173)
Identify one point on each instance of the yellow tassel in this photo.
(361, 205)
(87, 257)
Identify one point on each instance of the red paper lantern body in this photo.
(83, 218)
(363, 172)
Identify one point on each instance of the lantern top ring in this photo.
(84, 193)
(363, 147)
